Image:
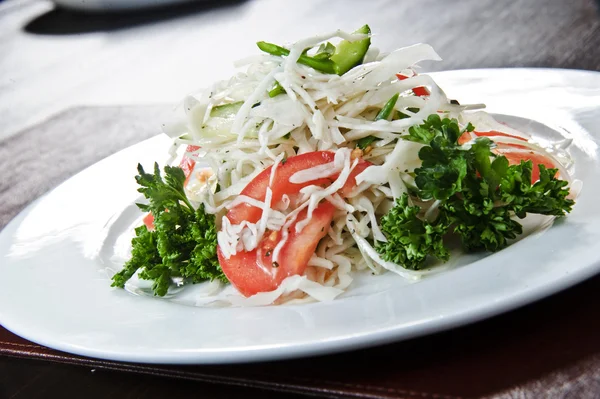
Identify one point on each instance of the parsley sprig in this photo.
(411, 239)
(479, 194)
(183, 242)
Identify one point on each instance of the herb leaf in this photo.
(477, 192)
(475, 218)
(547, 196)
(183, 242)
(143, 254)
(410, 239)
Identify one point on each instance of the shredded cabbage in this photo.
(318, 112)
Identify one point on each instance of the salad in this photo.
(325, 159)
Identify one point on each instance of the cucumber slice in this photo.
(221, 120)
(218, 125)
(226, 110)
(350, 54)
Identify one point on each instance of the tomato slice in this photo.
(187, 165)
(257, 188)
(466, 136)
(515, 156)
(149, 221)
(252, 271)
(418, 91)
(513, 152)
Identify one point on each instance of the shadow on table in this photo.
(60, 21)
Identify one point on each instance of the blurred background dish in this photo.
(114, 5)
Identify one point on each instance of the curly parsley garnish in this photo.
(410, 239)
(478, 193)
(183, 242)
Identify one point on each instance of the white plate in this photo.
(54, 289)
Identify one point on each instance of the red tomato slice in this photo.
(257, 188)
(251, 273)
(419, 91)
(149, 221)
(515, 157)
(466, 136)
(513, 152)
(254, 271)
(187, 164)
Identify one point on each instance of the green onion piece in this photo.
(401, 115)
(325, 66)
(365, 142)
(276, 90)
(387, 109)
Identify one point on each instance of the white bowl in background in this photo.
(114, 5)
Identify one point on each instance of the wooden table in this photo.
(129, 67)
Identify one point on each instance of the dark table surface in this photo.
(125, 68)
